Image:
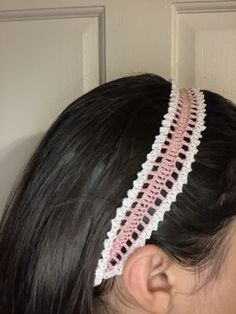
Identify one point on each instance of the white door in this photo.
(53, 51)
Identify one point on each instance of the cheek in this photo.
(216, 297)
(222, 293)
(228, 289)
(229, 278)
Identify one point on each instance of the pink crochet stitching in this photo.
(160, 180)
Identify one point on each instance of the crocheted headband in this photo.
(157, 185)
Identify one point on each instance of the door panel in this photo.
(204, 46)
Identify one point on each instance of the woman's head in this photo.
(57, 218)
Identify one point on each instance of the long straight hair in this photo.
(58, 214)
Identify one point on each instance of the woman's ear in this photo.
(148, 279)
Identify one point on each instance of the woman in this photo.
(59, 215)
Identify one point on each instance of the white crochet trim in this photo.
(141, 177)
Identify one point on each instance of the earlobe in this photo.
(146, 278)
